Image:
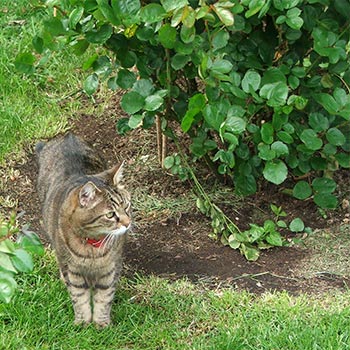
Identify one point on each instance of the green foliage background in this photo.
(261, 87)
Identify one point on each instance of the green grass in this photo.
(151, 313)
(31, 107)
(330, 251)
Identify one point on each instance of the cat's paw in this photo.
(81, 322)
(102, 323)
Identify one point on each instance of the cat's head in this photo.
(102, 205)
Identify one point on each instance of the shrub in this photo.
(261, 87)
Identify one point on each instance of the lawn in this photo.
(152, 313)
(36, 105)
(149, 312)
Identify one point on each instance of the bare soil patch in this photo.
(172, 240)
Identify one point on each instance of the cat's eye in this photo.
(110, 215)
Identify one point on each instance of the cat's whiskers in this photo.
(107, 241)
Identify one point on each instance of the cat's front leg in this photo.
(81, 298)
(103, 299)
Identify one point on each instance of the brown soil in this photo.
(176, 244)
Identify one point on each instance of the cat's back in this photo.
(62, 159)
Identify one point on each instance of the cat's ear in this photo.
(87, 194)
(113, 175)
(118, 174)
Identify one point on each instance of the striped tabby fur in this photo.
(86, 213)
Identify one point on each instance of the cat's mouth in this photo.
(120, 231)
(108, 238)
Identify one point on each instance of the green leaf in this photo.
(275, 93)
(126, 79)
(265, 152)
(153, 102)
(167, 36)
(280, 148)
(187, 34)
(245, 185)
(91, 84)
(169, 162)
(324, 185)
(80, 47)
(311, 140)
(297, 225)
(274, 238)
(30, 242)
(230, 138)
(275, 171)
(254, 7)
(329, 149)
(102, 66)
(302, 190)
(328, 102)
(251, 253)
(126, 8)
(170, 5)
(233, 243)
(38, 44)
(6, 263)
(99, 36)
(7, 246)
(132, 102)
(342, 7)
(221, 66)
(273, 75)
(318, 122)
(235, 125)
(135, 121)
(236, 111)
(293, 82)
(22, 261)
(335, 137)
(152, 13)
(188, 119)
(285, 137)
(267, 132)
(107, 11)
(220, 39)
(7, 287)
(197, 101)
(24, 63)
(189, 17)
(343, 159)
(54, 26)
(293, 20)
(326, 200)
(75, 16)
(281, 223)
(178, 61)
(250, 80)
(90, 61)
(213, 117)
(112, 83)
(225, 15)
(123, 126)
(144, 87)
(144, 33)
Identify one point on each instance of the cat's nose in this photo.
(124, 220)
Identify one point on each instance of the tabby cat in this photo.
(86, 214)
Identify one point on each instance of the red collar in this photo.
(97, 243)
